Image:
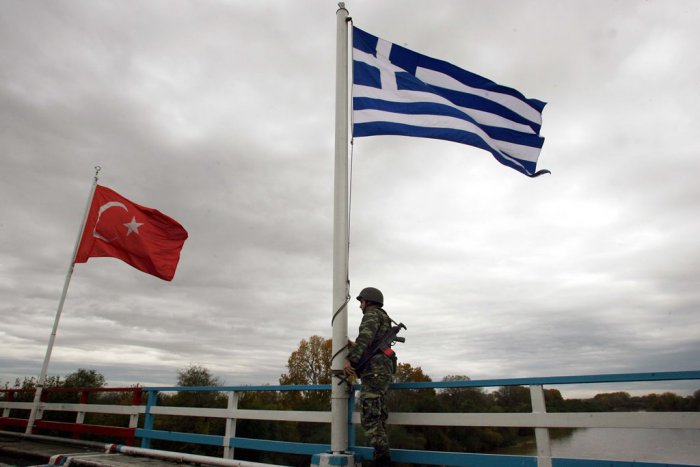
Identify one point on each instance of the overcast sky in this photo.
(221, 115)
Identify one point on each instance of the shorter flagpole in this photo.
(52, 338)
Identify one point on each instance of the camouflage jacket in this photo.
(375, 323)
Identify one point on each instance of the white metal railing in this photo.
(538, 418)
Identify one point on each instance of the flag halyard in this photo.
(397, 91)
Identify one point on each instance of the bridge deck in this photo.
(23, 452)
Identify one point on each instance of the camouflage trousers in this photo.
(375, 385)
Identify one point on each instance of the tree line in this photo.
(310, 364)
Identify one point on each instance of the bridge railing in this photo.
(83, 406)
(538, 418)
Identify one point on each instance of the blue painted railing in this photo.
(538, 419)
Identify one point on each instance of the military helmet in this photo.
(371, 294)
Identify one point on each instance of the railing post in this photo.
(544, 451)
(136, 398)
(148, 419)
(351, 427)
(84, 398)
(230, 424)
(10, 397)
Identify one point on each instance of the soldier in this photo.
(375, 375)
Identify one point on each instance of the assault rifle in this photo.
(382, 345)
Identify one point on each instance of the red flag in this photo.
(142, 237)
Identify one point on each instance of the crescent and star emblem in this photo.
(131, 227)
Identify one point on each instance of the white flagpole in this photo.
(44, 368)
(339, 395)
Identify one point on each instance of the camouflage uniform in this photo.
(376, 377)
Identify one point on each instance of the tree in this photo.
(611, 401)
(464, 399)
(554, 400)
(84, 379)
(412, 400)
(666, 402)
(310, 363)
(472, 400)
(31, 382)
(405, 373)
(196, 375)
(514, 398)
(694, 401)
(193, 376)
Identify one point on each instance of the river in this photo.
(655, 445)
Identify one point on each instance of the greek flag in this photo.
(400, 92)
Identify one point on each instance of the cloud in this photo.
(222, 116)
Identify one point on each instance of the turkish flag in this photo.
(142, 237)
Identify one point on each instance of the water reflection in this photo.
(658, 445)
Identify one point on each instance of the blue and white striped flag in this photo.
(400, 92)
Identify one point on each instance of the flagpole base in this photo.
(336, 459)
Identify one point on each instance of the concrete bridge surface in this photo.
(23, 452)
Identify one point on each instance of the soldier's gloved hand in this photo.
(349, 370)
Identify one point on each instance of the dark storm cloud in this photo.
(220, 115)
